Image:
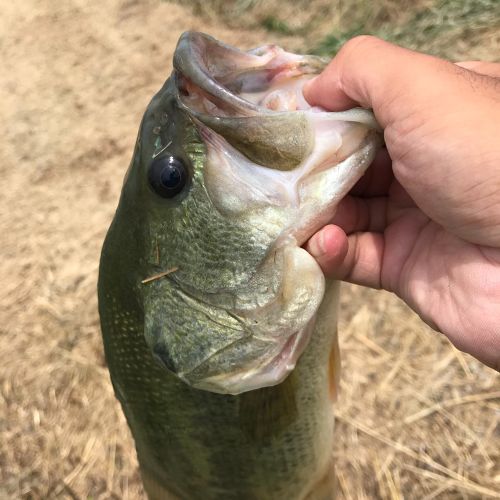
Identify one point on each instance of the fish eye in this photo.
(167, 175)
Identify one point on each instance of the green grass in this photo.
(275, 25)
(448, 28)
(331, 44)
(437, 29)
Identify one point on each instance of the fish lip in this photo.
(189, 64)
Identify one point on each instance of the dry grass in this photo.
(415, 418)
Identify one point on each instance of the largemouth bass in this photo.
(219, 329)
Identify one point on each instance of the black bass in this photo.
(219, 329)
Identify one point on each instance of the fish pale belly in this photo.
(272, 443)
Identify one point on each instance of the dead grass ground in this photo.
(416, 418)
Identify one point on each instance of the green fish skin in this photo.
(219, 329)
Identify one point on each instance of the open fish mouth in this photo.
(276, 164)
(264, 141)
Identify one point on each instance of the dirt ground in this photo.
(416, 418)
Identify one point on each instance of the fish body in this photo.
(219, 329)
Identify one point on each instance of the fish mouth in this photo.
(261, 133)
(276, 164)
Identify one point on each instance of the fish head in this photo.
(233, 172)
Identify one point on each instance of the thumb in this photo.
(370, 72)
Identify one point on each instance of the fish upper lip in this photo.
(193, 66)
(197, 57)
(278, 137)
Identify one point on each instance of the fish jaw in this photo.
(284, 328)
(277, 167)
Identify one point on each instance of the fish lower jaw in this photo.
(272, 372)
(285, 324)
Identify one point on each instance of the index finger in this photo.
(395, 82)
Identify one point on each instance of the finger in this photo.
(357, 258)
(328, 246)
(482, 67)
(376, 74)
(361, 214)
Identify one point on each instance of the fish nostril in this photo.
(164, 358)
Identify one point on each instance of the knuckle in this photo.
(360, 45)
(355, 56)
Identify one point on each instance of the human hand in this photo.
(424, 222)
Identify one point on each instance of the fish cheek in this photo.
(184, 333)
(214, 255)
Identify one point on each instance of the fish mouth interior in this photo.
(272, 151)
(232, 79)
(262, 88)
